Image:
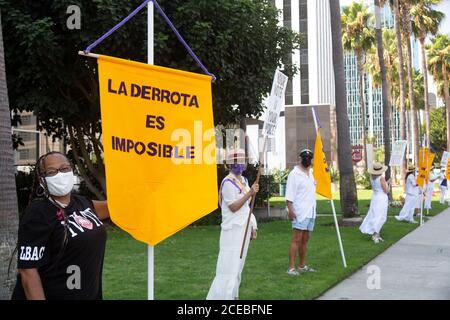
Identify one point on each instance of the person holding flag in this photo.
(301, 204)
(379, 204)
(234, 199)
(412, 197)
(429, 192)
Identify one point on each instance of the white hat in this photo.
(377, 169)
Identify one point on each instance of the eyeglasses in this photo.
(54, 172)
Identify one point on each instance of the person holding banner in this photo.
(61, 242)
(379, 204)
(301, 203)
(412, 197)
(234, 198)
(443, 187)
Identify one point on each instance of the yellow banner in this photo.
(159, 145)
(447, 170)
(426, 158)
(320, 169)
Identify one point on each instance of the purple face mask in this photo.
(238, 168)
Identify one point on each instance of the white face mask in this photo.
(60, 184)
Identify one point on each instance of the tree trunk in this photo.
(8, 196)
(385, 93)
(349, 196)
(447, 102)
(363, 106)
(425, 87)
(412, 104)
(401, 84)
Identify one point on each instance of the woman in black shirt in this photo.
(62, 240)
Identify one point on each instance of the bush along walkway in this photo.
(416, 267)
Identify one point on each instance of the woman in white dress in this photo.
(429, 192)
(377, 215)
(411, 199)
(235, 195)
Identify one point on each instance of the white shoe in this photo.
(292, 272)
(306, 269)
(413, 222)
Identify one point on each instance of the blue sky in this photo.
(444, 7)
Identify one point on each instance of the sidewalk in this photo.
(417, 267)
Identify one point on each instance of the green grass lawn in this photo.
(185, 263)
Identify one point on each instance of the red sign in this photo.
(357, 154)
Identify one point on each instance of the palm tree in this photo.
(384, 89)
(405, 9)
(349, 197)
(439, 66)
(401, 78)
(358, 37)
(426, 21)
(8, 196)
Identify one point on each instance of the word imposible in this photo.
(152, 149)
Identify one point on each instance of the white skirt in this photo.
(407, 212)
(377, 215)
(229, 264)
(428, 197)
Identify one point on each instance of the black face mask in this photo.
(306, 162)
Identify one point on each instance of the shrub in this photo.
(363, 180)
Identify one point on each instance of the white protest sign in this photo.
(398, 153)
(445, 157)
(274, 103)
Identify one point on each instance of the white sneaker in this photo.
(413, 221)
(292, 272)
(306, 269)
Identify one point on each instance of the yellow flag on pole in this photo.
(421, 177)
(320, 169)
(426, 158)
(447, 170)
(159, 144)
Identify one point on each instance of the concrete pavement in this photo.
(416, 267)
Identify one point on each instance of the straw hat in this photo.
(411, 169)
(235, 155)
(377, 169)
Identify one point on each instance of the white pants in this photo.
(229, 264)
(443, 194)
(407, 212)
(428, 197)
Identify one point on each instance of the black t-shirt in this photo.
(77, 272)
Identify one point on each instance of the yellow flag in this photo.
(320, 169)
(447, 170)
(159, 144)
(426, 158)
